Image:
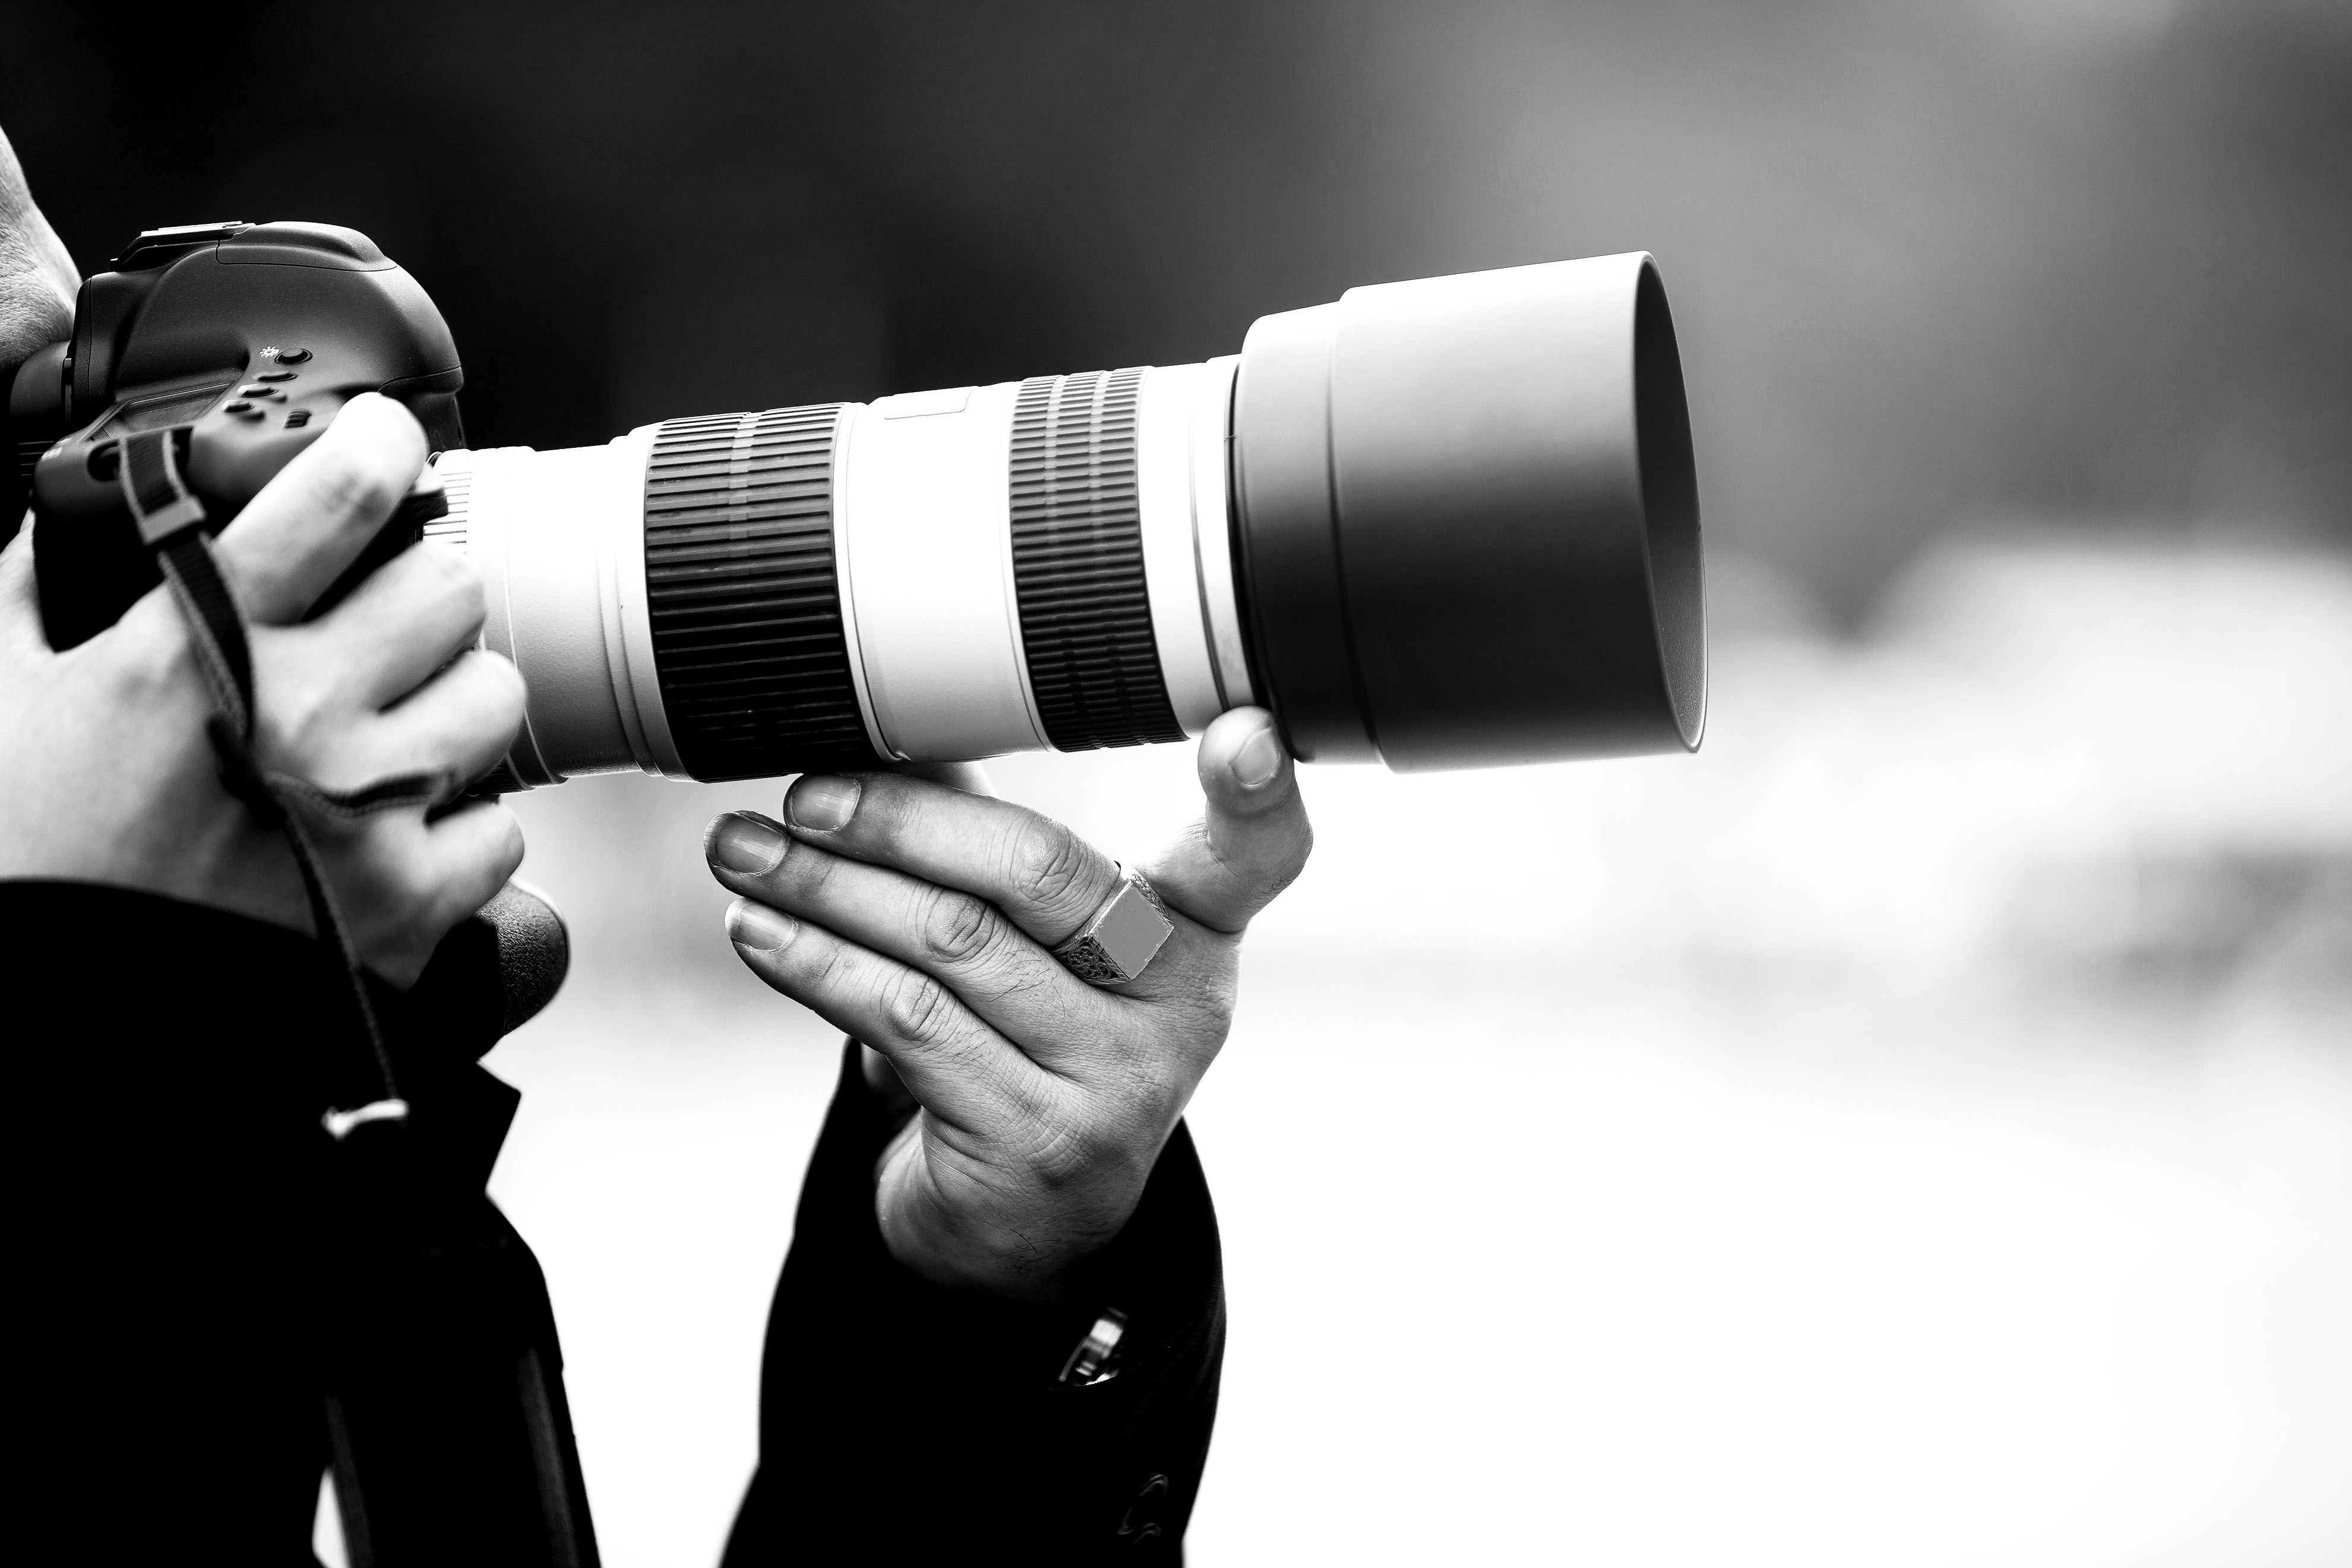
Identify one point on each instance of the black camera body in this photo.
(244, 341)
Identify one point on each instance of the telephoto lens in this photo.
(1437, 524)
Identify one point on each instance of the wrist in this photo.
(1013, 1261)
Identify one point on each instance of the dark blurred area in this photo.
(2046, 257)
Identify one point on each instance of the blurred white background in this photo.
(1917, 1129)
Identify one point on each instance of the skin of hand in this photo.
(919, 918)
(38, 280)
(106, 773)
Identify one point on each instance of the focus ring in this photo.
(742, 594)
(1077, 563)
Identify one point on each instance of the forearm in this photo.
(174, 1193)
(893, 1414)
(163, 1160)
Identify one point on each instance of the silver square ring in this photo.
(1125, 934)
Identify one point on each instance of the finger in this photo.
(38, 279)
(427, 876)
(22, 638)
(290, 543)
(962, 1071)
(464, 859)
(1009, 982)
(1252, 841)
(970, 777)
(459, 724)
(408, 619)
(1047, 878)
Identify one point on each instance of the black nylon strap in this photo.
(151, 478)
(169, 520)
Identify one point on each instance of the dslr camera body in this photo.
(244, 341)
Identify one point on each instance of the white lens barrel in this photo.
(894, 552)
(1446, 523)
(559, 539)
(921, 542)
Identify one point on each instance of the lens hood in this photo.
(1466, 517)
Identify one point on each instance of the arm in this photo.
(170, 1018)
(861, 1352)
(1004, 1163)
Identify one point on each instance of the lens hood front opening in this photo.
(1670, 506)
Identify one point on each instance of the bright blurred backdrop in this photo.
(1918, 1127)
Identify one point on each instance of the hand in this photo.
(38, 280)
(106, 774)
(919, 919)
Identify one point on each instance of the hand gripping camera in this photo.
(1438, 525)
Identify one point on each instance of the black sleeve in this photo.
(163, 1144)
(170, 1184)
(899, 1423)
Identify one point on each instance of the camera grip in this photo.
(495, 971)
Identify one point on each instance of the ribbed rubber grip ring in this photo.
(741, 591)
(1077, 563)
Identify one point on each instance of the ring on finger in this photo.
(1121, 937)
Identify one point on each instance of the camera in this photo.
(1451, 522)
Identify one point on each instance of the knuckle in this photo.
(834, 973)
(354, 484)
(298, 708)
(1049, 862)
(506, 845)
(957, 929)
(811, 871)
(918, 1008)
(1072, 1152)
(501, 682)
(505, 708)
(455, 578)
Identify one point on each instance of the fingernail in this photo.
(746, 842)
(758, 927)
(1259, 760)
(822, 804)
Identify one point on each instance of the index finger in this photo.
(1046, 879)
(309, 523)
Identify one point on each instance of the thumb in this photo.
(23, 639)
(1253, 840)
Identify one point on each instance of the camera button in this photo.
(275, 376)
(242, 407)
(296, 420)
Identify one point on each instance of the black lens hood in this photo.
(1467, 515)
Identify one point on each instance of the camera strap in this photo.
(170, 521)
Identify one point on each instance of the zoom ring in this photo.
(741, 590)
(1077, 563)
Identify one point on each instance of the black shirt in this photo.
(175, 1198)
